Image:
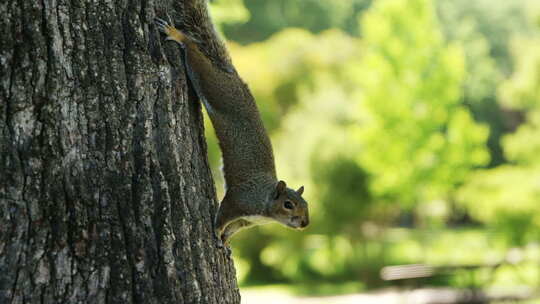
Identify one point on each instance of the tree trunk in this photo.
(105, 191)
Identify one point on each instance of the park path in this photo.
(387, 296)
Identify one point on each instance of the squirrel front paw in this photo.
(172, 33)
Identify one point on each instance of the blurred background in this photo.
(415, 127)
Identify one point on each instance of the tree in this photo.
(506, 197)
(419, 142)
(484, 29)
(105, 191)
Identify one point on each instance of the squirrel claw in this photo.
(164, 27)
(172, 33)
(161, 23)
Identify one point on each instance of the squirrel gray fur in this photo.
(253, 193)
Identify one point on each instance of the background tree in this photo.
(506, 197)
(105, 191)
(412, 121)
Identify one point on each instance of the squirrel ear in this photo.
(280, 188)
(300, 190)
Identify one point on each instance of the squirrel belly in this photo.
(253, 195)
(258, 219)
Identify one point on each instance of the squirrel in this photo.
(253, 195)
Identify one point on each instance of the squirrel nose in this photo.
(305, 222)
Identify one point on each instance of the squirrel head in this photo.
(288, 207)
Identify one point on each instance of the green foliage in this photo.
(484, 29)
(522, 89)
(229, 12)
(495, 22)
(507, 197)
(269, 17)
(415, 132)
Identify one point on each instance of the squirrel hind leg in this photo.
(172, 33)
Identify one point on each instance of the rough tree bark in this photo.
(105, 191)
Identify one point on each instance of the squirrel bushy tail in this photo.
(194, 23)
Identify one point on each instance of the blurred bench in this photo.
(418, 272)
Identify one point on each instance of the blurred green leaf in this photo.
(418, 141)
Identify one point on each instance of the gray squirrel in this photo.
(253, 193)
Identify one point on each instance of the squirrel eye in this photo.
(288, 205)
